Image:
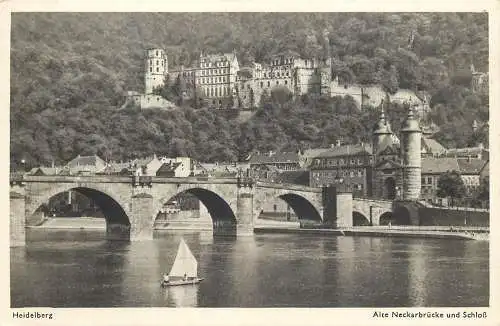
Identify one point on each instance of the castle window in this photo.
(151, 62)
(287, 73)
(268, 84)
(150, 69)
(156, 53)
(157, 62)
(429, 180)
(261, 84)
(286, 82)
(157, 69)
(422, 181)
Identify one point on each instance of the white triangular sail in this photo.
(185, 263)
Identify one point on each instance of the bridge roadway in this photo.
(130, 204)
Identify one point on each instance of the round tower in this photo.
(381, 130)
(412, 163)
(156, 68)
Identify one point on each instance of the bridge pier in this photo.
(141, 217)
(244, 218)
(17, 225)
(337, 212)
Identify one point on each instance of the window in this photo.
(287, 73)
(268, 84)
(248, 86)
(261, 84)
(277, 82)
(150, 69)
(352, 161)
(156, 53)
(157, 69)
(429, 180)
(157, 62)
(423, 181)
(286, 82)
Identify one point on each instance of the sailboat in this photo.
(185, 268)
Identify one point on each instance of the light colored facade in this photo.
(86, 165)
(156, 69)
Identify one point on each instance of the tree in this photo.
(484, 189)
(450, 184)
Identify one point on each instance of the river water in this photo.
(79, 269)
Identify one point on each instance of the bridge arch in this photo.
(302, 207)
(386, 218)
(218, 208)
(359, 219)
(115, 211)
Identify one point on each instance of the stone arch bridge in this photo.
(131, 204)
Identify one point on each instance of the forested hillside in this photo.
(69, 73)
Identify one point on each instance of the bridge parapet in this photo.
(287, 186)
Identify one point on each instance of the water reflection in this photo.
(266, 270)
(182, 296)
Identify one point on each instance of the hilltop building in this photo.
(219, 80)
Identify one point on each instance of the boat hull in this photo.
(181, 282)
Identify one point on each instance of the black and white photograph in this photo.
(234, 159)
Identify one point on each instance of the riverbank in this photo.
(266, 226)
(432, 232)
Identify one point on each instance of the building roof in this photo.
(92, 160)
(273, 158)
(433, 145)
(346, 150)
(473, 166)
(168, 167)
(434, 165)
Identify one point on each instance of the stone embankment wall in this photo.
(453, 217)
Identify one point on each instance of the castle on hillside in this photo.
(221, 83)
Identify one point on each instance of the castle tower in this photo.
(156, 68)
(412, 164)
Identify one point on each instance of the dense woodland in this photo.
(69, 73)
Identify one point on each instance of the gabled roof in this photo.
(433, 145)
(346, 150)
(434, 165)
(92, 160)
(273, 158)
(168, 167)
(471, 166)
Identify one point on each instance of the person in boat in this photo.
(166, 279)
(185, 277)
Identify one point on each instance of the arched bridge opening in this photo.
(194, 205)
(290, 208)
(80, 208)
(359, 219)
